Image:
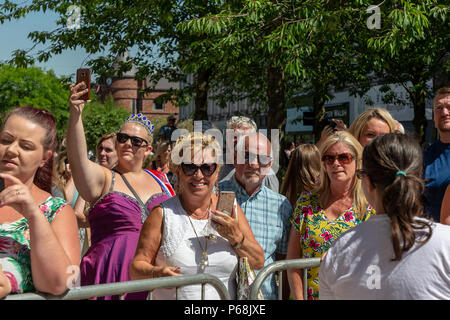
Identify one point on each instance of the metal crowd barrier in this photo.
(280, 266)
(120, 288)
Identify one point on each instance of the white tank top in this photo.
(180, 248)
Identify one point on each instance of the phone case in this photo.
(2, 184)
(85, 75)
(226, 201)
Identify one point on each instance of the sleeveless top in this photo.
(180, 248)
(15, 246)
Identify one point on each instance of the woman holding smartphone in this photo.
(120, 198)
(176, 240)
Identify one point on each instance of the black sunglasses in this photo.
(343, 158)
(135, 141)
(207, 169)
(263, 160)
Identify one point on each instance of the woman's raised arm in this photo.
(90, 178)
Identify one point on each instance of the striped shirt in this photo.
(268, 214)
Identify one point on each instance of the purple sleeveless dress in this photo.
(115, 220)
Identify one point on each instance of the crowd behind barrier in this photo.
(270, 229)
(121, 288)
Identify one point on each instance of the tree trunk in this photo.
(319, 110)
(201, 83)
(419, 100)
(276, 115)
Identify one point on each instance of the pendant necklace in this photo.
(204, 258)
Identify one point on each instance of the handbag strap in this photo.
(134, 192)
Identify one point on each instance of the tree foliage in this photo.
(32, 86)
(100, 119)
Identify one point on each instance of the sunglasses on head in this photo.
(263, 160)
(135, 141)
(207, 169)
(343, 158)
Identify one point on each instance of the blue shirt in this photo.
(436, 162)
(268, 214)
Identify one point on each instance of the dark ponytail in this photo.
(393, 163)
(43, 118)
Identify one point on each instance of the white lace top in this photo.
(180, 248)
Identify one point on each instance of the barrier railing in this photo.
(280, 266)
(120, 288)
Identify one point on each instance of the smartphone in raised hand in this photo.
(2, 184)
(84, 74)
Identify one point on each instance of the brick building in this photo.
(126, 92)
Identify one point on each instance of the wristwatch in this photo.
(239, 244)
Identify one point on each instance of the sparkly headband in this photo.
(142, 120)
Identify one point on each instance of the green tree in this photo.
(100, 119)
(149, 26)
(411, 48)
(300, 46)
(35, 87)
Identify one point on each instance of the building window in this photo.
(158, 106)
(133, 106)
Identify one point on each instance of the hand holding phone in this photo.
(226, 202)
(2, 184)
(331, 123)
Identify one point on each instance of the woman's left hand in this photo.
(227, 227)
(18, 196)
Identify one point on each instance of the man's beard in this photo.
(444, 127)
(253, 180)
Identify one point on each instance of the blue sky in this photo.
(13, 35)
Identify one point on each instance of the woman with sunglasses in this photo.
(321, 216)
(397, 254)
(120, 199)
(177, 238)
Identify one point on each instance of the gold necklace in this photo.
(204, 259)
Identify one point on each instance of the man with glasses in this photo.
(437, 156)
(238, 126)
(267, 212)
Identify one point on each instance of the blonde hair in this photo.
(111, 135)
(359, 200)
(302, 173)
(358, 125)
(60, 173)
(191, 143)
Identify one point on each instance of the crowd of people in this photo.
(366, 200)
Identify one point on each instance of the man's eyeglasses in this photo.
(207, 169)
(343, 158)
(360, 173)
(263, 160)
(135, 141)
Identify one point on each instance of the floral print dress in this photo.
(15, 247)
(318, 233)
